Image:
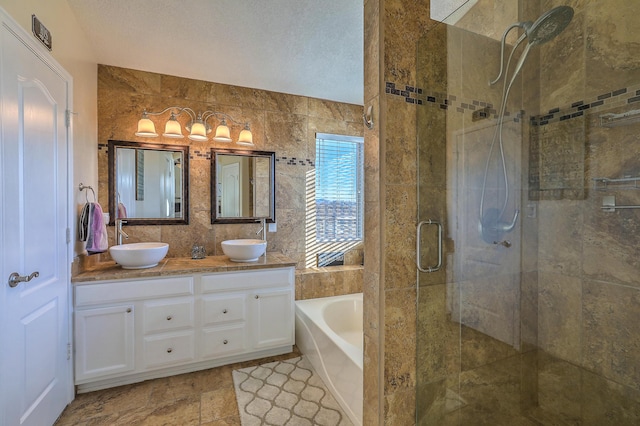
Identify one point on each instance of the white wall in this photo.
(72, 51)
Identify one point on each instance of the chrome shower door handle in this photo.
(418, 248)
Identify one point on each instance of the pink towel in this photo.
(122, 211)
(93, 230)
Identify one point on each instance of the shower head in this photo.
(546, 27)
(549, 25)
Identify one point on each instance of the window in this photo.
(339, 188)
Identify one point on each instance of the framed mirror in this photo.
(242, 186)
(148, 183)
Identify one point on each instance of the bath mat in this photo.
(285, 393)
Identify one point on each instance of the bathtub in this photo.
(329, 334)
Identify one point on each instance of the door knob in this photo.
(15, 278)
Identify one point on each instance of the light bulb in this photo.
(146, 128)
(198, 131)
(245, 138)
(222, 133)
(173, 129)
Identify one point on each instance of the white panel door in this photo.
(35, 378)
(231, 190)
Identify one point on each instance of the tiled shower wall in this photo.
(283, 123)
(579, 287)
(589, 291)
(391, 31)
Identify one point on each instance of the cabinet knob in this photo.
(257, 297)
(169, 350)
(224, 311)
(225, 341)
(128, 310)
(169, 318)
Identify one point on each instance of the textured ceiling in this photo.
(304, 47)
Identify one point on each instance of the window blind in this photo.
(339, 188)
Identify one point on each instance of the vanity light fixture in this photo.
(198, 127)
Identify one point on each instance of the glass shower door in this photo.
(528, 321)
(470, 348)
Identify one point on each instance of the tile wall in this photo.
(280, 122)
(589, 293)
(572, 290)
(373, 413)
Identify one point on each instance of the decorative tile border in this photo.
(198, 154)
(294, 161)
(482, 109)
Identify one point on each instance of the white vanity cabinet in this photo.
(136, 329)
(268, 300)
(119, 324)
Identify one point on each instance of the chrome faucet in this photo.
(119, 232)
(263, 229)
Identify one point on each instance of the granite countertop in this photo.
(179, 266)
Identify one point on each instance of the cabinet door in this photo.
(272, 318)
(104, 339)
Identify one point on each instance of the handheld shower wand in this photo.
(545, 28)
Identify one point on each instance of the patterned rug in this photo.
(285, 393)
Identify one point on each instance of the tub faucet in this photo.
(263, 229)
(119, 232)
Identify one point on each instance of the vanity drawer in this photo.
(126, 291)
(221, 341)
(167, 315)
(238, 280)
(221, 309)
(168, 349)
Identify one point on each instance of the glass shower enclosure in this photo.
(529, 170)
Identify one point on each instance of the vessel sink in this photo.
(139, 255)
(244, 250)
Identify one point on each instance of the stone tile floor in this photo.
(204, 397)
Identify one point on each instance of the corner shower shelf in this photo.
(609, 204)
(623, 119)
(627, 182)
(609, 201)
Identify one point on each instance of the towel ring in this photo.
(83, 187)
